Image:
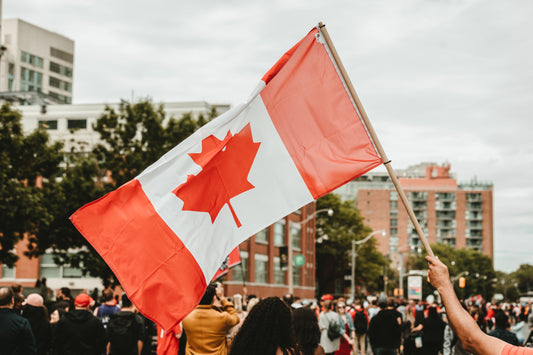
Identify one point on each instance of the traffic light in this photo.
(462, 282)
(283, 257)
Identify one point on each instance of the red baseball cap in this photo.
(83, 300)
(327, 297)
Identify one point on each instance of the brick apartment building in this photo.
(457, 214)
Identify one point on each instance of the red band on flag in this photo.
(316, 119)
(133, 237)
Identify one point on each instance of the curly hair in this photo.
(306, 330)
(267, 327)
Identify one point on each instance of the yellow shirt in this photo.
(206, 329)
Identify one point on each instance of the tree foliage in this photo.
(474, 266)
(334, 254)
(132, 138)
(524, 278)
(29, 165)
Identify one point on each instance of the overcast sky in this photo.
(441, 80)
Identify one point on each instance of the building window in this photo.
(30, 80)
(279, 274)
(58, 53)
(60, 69)
(48, 124)
(31, 59)
(240, 272)
(393, 231)
(279, 233)
(62, 98)
(296, 235)
(60, 84)
(261, 268)
(8, 272)
(394, 222)
(296, 275)
(262, 236)
(77, 124)
(10, 76)
(49, 269)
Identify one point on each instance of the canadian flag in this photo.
(166, 232)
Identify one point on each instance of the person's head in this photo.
(16, 287)
(6, 297)
(501, 319)
(432, 312)
(126, 302)
(64, 293)
(328, 305)
(209, 295)
(382, 301)
(267, 327)
(341, 307)
(83, 301)
(306, 331)
(35, 300)
(288, 298)
(107, 295)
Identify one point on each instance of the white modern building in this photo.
(35, 60)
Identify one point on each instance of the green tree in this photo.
(132, 138)
(334, 254)
(29, 165)
(474, 266)
(524, 278)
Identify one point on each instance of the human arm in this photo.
(471, 337)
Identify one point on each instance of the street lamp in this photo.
(383, 233)
(289, 240)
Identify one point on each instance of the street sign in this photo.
(414, 286)
(299, 260)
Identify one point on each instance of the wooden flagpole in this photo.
(377, 144)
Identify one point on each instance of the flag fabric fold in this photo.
(166, 233)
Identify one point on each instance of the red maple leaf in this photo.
(225, 167)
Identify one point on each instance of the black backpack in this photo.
(334, 330)
(123, 332)
(360, 322)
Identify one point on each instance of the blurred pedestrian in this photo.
(384, 330)
(346, 344)
(79, 331)
(16, 336)
(306, 331)
(206, 326)
(267, 330)
(107, 308)
(329, 318)
(432, 332)
(35, 312)
(125, 330)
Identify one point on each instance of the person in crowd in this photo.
(473, 339)
(18, 297)
(306, 331)
(35, 312)
(360, 320)
(16, 336)
(251, 303)
(346, 344)
(325, 319)
(452, 345)
(373, 309)
(63, 295)
(125, 330)
(413, 340)
(107, 308)
(237, 304)
(288, 298)
(432, 332)
(79, 331)
(267, 330)
(206, 326)
(501, 331)
(387, 321)
(520, 328)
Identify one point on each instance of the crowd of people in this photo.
(272, 326)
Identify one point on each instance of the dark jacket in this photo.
(79, 332)
(385, 322)
(124, 330)
(15, 334)
(40, 326)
